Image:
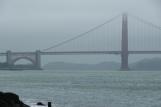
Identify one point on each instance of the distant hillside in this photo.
(74, 66)
(145, 64)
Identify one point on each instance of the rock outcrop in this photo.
(11, 100)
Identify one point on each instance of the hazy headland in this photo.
(145, 64)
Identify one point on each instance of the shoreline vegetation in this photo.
(145, 64)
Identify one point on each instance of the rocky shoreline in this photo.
(9, 99)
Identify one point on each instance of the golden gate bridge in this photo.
(121, 35)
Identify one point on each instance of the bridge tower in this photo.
(124, 43)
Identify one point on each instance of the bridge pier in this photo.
(38, 59)
(33, 57)
(8, 58)
(124, 43)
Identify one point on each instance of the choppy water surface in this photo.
(85, 88)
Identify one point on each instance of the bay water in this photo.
(85, 88)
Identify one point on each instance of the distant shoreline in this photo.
(145, 64)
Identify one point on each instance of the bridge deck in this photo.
(91, 52)
(98, 52)
(2, 54)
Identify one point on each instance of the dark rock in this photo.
(40, 104)
(3, 103)
(10, 100)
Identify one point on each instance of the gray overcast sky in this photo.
(74, 9)
(26, 25)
